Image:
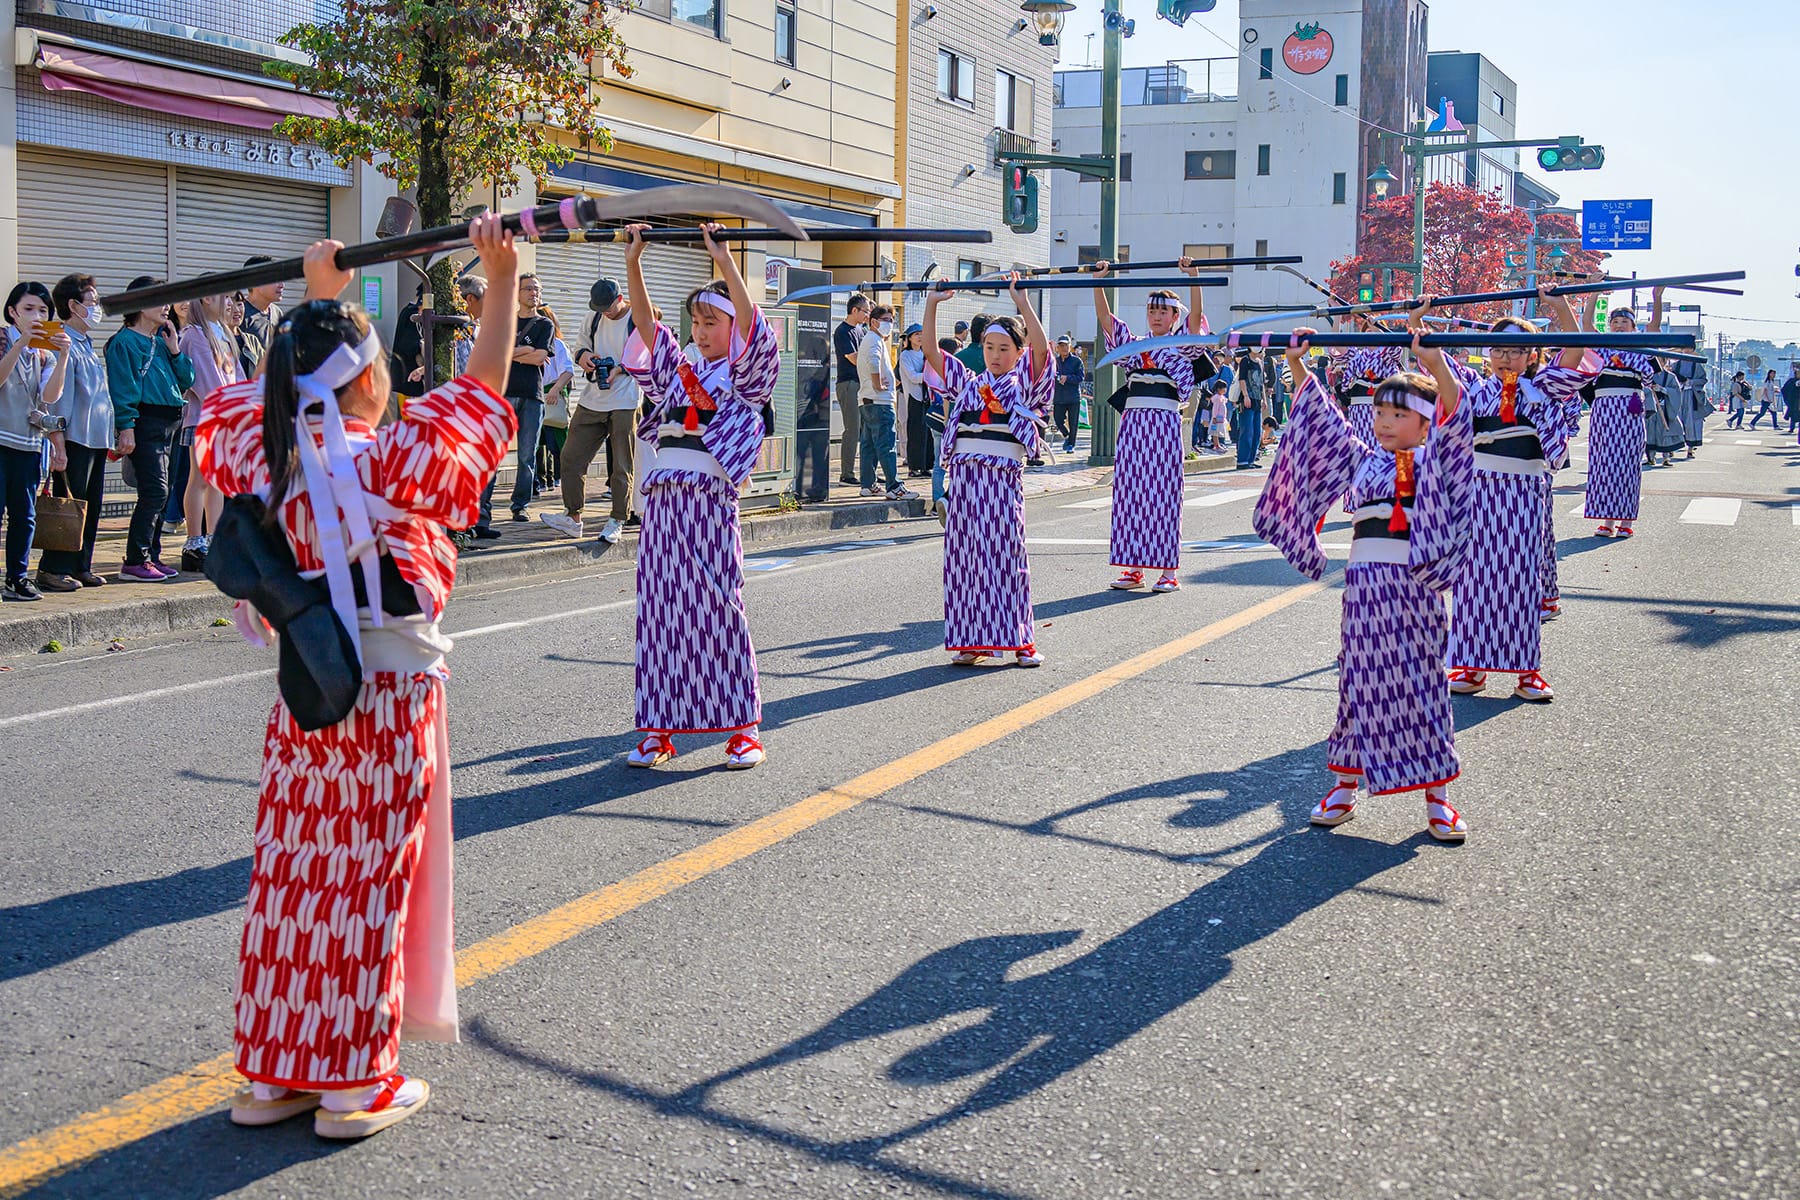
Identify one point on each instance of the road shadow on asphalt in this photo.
(201, 1159)
(1708, 624)
(1035, 1028)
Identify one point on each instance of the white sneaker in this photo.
(902, 492)
(563, 523)
(611, 531)
(871, 490)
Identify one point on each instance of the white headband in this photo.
(1166, 302)
(344, 364)
(719, 302)
(1419, 404)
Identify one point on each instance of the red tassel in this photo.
(1403, 489)
(691, 422)
(991, 404)
(1509, 396)
(698, 398)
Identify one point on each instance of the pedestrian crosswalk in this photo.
(1226, 497)
(1712, 510)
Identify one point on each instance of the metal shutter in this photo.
(568, 272)
(220, 220)
(107, 217)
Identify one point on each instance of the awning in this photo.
(171, 90)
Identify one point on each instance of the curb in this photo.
(147, 614)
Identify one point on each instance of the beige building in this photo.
(973, 79)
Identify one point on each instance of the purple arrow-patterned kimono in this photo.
(696, 666)
(1147, 478)
(1362, 371)
(1394, 726)
(1616, 437)
(1496, 606)
(987, 578)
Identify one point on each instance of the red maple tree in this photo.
(1468, 234)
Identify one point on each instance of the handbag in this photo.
(61, 520)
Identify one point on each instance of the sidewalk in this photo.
(121, 611)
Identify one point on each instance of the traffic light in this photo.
(1571, 154)
(1021, 199)
(1179, 11)
(1365, 288)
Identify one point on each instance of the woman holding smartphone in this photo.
(147, 373)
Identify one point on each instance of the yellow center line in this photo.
(206, 1085)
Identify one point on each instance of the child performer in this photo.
(993, 421)
(1147, 481)
(696, 667)
(1521, 421)
(347, 947)
(1412, 492)
(1616, 429)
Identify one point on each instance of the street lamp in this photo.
(1047, 16)
(1381, 180)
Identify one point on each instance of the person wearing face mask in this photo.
(87, 408)
(875, 370)
(146, 372)
(1147, 478)
(31, 382)
(214, 354)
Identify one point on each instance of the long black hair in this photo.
(303, 341)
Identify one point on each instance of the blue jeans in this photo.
(531, 428)
(1249, 435)
(877, 431)
(20, 473)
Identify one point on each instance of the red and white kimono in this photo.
(347, 940)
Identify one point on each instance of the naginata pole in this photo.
(870, 234)
(1577, 289)
(1444, 341)
(574, 213)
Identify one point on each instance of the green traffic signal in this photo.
(1566, 157)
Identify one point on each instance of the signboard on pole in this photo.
(1615, 225)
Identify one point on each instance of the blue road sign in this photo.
(1615, 225)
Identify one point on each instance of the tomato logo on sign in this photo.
(1307, 50)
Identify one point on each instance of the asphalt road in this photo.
(1067, 934)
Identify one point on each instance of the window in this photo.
(967, 269)
(703, 13)
(1015, 103)
(1262, 251)
(1211, 164)
(1343, 91)
(1087, 256)
(1500, 104)
(1202, 251)
(1124, 169)
(956, 78)
(1339, 184)
(1266, 64)
(785, 40)
(654, 8)
(1262, 159)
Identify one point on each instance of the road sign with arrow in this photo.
(1615, 225)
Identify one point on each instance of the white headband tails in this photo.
(344, 364)
(722, 303)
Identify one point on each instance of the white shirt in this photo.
(606, 339)
(874, 370)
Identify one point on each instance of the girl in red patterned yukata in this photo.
(347, 944)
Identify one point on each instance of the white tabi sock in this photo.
(344, 1100)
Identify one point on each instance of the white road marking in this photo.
(767, 564)
(1053, 541)
(1797, 512)
(117, 701)
(1578, 509)
(1712, 510)
(1097, 502)
(1749, 441)
(1238, 544)
(1226, 497)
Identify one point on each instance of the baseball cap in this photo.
(601, 298)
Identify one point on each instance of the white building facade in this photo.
(1262, 154)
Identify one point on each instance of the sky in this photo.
(1692, 101)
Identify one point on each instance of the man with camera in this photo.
(606, 411)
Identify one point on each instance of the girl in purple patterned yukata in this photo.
(994, 421)
(1411, 493)
(1148, 480)
(1523, 415)
(1616, 428)
(696, 666)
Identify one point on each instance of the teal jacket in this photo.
(141, 373)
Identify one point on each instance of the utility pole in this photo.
(1102, 421)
